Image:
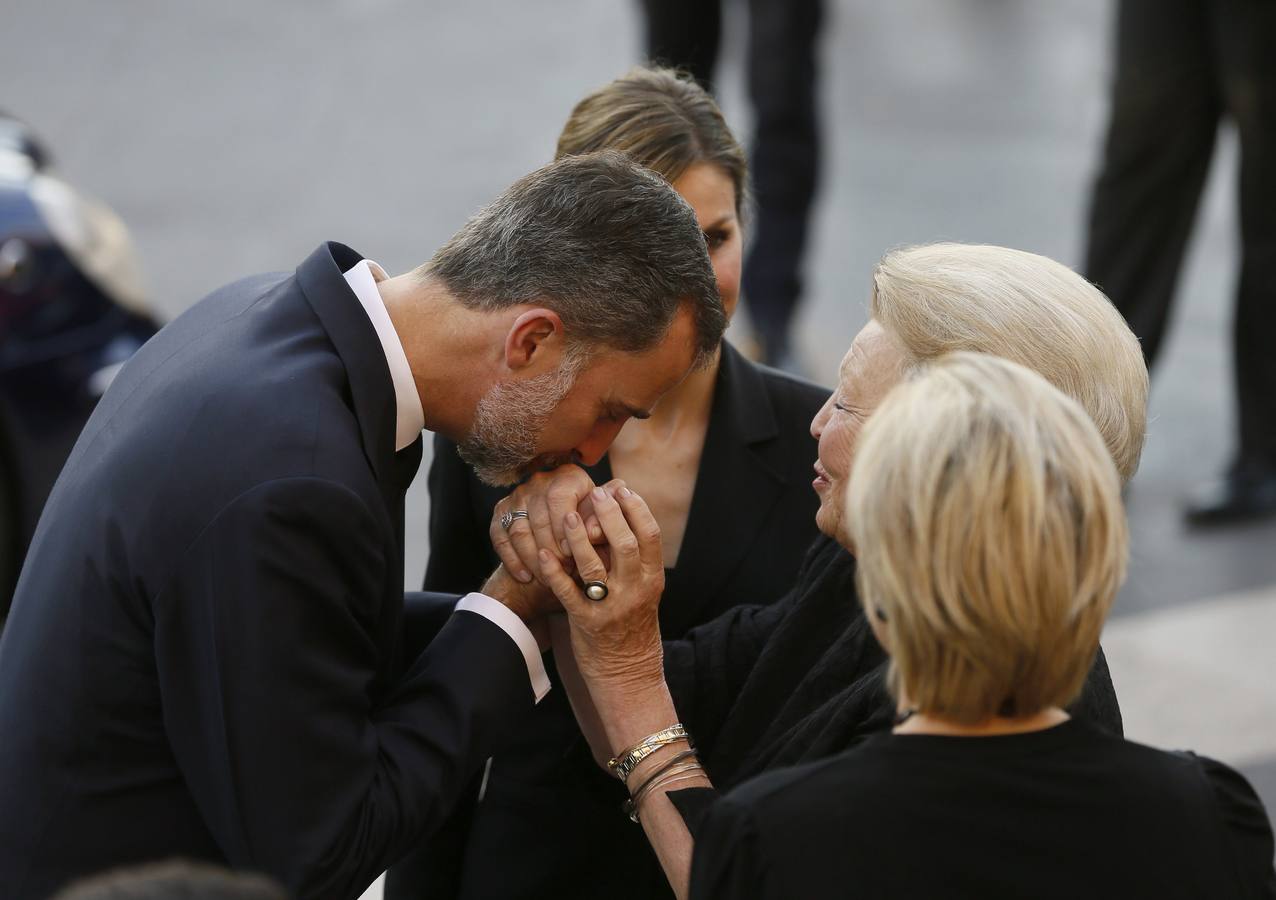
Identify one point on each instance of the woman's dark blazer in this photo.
(549, 822)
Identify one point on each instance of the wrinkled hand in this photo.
(531, 602)
(616, 641)
(548, 497)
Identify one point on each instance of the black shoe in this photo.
(1245, 493)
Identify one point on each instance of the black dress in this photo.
(549, 822)
(1063, 813)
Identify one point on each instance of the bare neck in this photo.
(454, 352)
(925, 723)
(687, 403)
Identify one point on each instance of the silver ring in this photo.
(507, 517)
(596, 590)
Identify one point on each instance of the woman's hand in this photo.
(616, 641)
(547, 498)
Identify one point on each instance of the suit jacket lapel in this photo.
(737, 484)
(371, 388)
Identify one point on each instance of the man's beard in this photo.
(509, 419)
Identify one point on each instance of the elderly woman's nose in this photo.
(821, 419)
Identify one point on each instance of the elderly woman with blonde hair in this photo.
(985, 513)
(804, 678)
(760, 688)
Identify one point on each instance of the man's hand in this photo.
(547, 497)
(530, 602)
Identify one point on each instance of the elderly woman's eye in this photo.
(840, 407)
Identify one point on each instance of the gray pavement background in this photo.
(233, 137)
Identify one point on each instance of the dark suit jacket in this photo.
(752, 517)
(763, 687)
(203, 657)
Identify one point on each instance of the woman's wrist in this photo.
(631, 713)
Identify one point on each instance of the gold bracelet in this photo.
(623, 764)
(631, 806)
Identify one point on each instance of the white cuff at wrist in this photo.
(502, 617)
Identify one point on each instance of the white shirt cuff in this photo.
(500, 615)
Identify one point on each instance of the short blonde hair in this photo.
(939, 298)
(986, 517)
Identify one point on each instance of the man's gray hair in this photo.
(605, 243)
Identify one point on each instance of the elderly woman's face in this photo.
(869, 370)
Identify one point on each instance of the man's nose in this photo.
(594, 447)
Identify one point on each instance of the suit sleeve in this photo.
(461, 556)
(268, 665)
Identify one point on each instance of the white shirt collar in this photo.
(363, 278)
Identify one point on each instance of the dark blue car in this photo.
(71, 312)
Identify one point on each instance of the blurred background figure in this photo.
(72, 310)
(174, 880)
(782, 73)
(1181, 67)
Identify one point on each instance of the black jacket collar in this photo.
(322, 281)
(741, 448)
(746, 404)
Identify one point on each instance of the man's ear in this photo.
(535, 340)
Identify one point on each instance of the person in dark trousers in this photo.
(206, 656)
(1182, 66)
(734, 426)
(783, 75)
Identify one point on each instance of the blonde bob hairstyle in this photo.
(939, 298)
(987, 523)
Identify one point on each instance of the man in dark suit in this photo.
(205, 654)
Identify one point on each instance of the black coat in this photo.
(763, 687)
(549, 823)
(204, 653)
(1066, 812)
